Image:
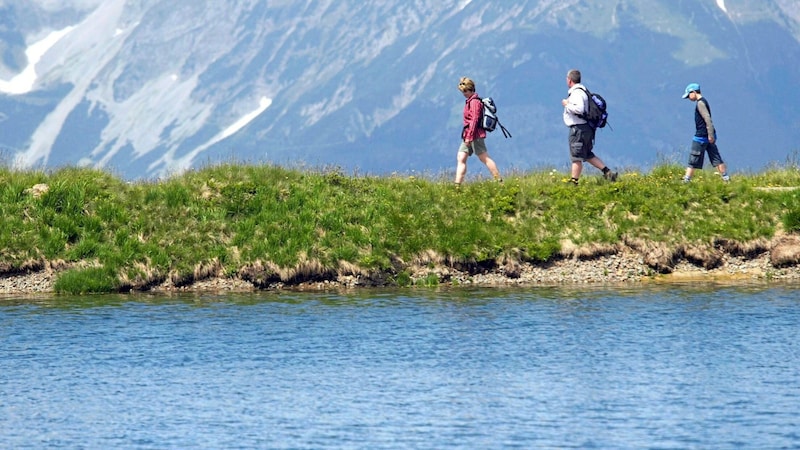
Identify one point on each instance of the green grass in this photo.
(228, 217)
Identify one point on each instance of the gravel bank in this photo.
(626, 267)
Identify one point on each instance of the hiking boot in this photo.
(611, 176)
(686, 180)
(572, 181)
(726, 178)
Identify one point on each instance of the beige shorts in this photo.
(478, 146)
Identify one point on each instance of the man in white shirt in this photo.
(581, 134)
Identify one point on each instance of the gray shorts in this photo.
(581, 142)
(478, 146)
(698, 151)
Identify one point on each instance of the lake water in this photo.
(656, 367)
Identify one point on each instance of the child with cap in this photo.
(705, 136)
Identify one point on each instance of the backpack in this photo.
(489, 120)
(596, 114)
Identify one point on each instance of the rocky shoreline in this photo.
(628, 264)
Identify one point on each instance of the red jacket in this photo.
(473, 108)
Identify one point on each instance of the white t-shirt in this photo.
(576, 104)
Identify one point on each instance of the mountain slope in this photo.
(151, 87)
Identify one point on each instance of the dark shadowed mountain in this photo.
(147, 88)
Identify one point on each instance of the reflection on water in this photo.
(675, 366)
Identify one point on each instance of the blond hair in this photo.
(466, 85)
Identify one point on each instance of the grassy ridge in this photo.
(267, 223)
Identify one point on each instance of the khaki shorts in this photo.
(478, 146)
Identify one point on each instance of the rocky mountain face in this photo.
(148, 88)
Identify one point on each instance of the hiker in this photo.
(705, 136)
(581, 134)
(473, 137)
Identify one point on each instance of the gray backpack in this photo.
(489, 120)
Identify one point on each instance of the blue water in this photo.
(650, 367)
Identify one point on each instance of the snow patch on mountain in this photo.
(316, 111)
(149, 94)
(185, 162)
(25, 80)
(408, 92)
(77, 60)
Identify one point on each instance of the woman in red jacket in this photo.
(472, 136)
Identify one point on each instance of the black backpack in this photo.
(596, 114)
(489, 120)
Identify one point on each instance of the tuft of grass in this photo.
(430, 280)
(94, 280)
(791, 221)
(403, 279)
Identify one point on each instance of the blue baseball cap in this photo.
(691, 87)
